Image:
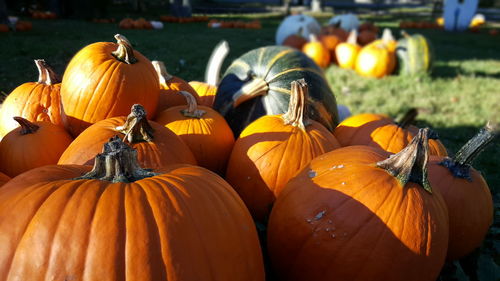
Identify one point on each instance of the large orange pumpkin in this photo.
(354, 214)
(381, 131)
(32, 145)
(203, 129)
(156, 145)
(3, 179)
(375, 60)
(104, 80)
(34, 101)
(206, 92)
(272, 149)
(170, 87)
(121, 222)
(466, 193)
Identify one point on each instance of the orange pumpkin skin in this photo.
(161, 228)
(342, 218)
(165, 149)
(206, 92)
(380, 131)
(317, 52)
(295, 41)
(375, 60)
(21, 152)
(330, 42)
(97, 86)
(209, 137)
(347, 52)
(34, 101)
(3, 179)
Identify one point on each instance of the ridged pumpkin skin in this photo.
(206, 92)
(96, 86)
(185, 224)
(165, 149)
(273, 68)
(342, 218)
(21, 152)
(3, 179)
(415, 54)
(380, 131)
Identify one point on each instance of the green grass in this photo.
(460, 96)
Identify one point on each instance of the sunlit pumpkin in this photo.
(347, 52)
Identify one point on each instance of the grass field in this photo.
(460, 96)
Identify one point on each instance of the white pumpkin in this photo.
(347, 22)
(297, 24)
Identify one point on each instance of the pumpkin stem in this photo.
(405, 34)
(136, 127)
(353, 37)
(192, 109)
(117, 163)
(410, 164)
(460, 165)
(46, 74)
(313, 38)
(214, 65)
(408, 118)
(387, 36)
(296, 114)
(161, 70)
(125, 52)
(27, 127)
(251, 89)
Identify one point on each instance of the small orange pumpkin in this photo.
(317, 51)
(347, 52)
(376, 60)
(206, 92)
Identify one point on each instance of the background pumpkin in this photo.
(414, 54)
(297, 23)
(347, 52)
(375, 60)
(206, 92)
(104, 80)
(258, 83)
(3, 179)
(317, 51)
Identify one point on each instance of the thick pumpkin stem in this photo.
(460, 165)
(353, 37)
(408, 118)
(117, 163)
(161, 70)
(46, 74)
(253, 88)
(192, 109)
(410, 164)
(136, 127)
(296, 114)
(27, 127)
(214, 65)
(125, 52)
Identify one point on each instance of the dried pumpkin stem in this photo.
(296, 114)
(136, 127)
(117, 163)
(253, 88)
(46, 74)
(353, 37)
(410, 164)
(192, 109)
(460, 165)
(27, 127)
(161, 70)
(125, 52)
(408, 118)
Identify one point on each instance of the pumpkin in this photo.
(156, 145)
(295, 41)
(122, 222)
(317, 51)
(381, 131)
(204, 131)
(170, 86)
(347, 22)
(126, 23)
(272, 149)
(466, 193)
(258, 83)
(366, 36)
(347, 52)
(32, 145)
(3, 179)
(355, 214)
(375, 60)
(388, 40)
(4, 27)
(206, 92)
(368, 26)
(297, 23)
(104, 80)
(34, 101)
(414, 54)
(330, 42)
(335, 30)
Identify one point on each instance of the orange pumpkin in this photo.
(466, 193)
(381, 131)
(126, 23)
(3, 179)
(32, 145)
(354, 214)
(272, 149)
(104, 80)
(206, 92)
(4, 27)
(375, 60)
(121, 222)
(347, 52)
(330, 42)
(366, 36)
(203, 129)
(317, 52)
(295, 41)
(335, 30)
(34, 101)
(170, 86)
(156, 145)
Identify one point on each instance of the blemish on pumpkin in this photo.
(343, 183)
(340, 166)
(327, 229)
(309, 220)
(312, 174)
(248, 178)
(333, 235)
(330, 221)
(320, 215)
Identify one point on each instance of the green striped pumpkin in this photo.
(415, 55)
(258, 83)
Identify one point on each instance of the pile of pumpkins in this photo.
(123, 171)
(351, 45)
